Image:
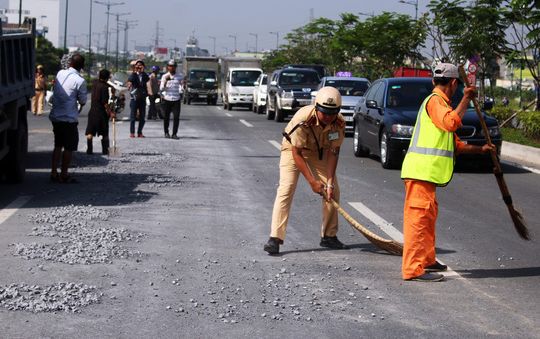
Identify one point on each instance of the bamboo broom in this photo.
(517, 218)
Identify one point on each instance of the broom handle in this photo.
(114, 131)
(497, 171)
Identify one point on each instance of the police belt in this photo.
(302, 123)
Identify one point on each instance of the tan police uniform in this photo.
(314, 140)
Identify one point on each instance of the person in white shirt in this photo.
(171, 89)
(69, 90)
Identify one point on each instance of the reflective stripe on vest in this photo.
(430, 156)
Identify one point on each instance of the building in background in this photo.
(49, 16)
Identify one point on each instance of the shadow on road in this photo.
(500, 273)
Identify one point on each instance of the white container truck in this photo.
(238, 77)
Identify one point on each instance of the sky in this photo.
(251, 21)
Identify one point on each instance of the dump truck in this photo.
(201, 82)
(17, 63)
(238, 77)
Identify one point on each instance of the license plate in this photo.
(348, 118)
(202, 95)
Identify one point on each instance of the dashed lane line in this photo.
(229, 115)
(275, 144)
(246, 123)
(389, 229)
(12, 208)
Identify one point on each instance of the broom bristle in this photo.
(519, 224)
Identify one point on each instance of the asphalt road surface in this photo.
(166, 240)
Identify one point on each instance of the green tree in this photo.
(48, 56)
(524, 16)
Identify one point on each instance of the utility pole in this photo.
(108, 4)
(256, 42)
(277, 39)
(118, 15)
(214, 38)
(127, 25)
(90, 39)
(65, 25)
(158, 35)
(234, 37)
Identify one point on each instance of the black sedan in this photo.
(384, 121)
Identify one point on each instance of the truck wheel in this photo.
(15, 160)
(260, 109)
(279, 113)
(229, 107)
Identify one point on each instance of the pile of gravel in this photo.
(82, 241)
(67, 297)
(161, 181)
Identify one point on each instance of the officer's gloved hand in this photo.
(317, 186)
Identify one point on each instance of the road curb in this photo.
(520, 154)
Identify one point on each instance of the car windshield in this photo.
(201, 75)
(355, 88)
(244, 78)
(299, 78)
(408, 94)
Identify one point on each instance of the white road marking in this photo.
(275, 144)
(530, 169)
(246, 123)
(10, 209)
(389, 229)
(228, 114)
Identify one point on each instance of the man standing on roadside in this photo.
(69, 90)
(40, 87)
(137, 87)
(430, 163)
(171, 87)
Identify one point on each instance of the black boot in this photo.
(89, 146)
(272, 246)
(332, 242)
(105, 146)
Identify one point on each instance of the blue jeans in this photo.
(140, 106)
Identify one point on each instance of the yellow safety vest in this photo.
(430, 156)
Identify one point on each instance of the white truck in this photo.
(238, 77)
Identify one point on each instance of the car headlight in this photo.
(287, 95)
(402, 130)
(493, 131)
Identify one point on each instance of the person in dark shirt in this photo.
(137, 87)
(99, 114)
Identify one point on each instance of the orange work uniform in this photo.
(312, 138)
(421, 208)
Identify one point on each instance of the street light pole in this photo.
(277, 39)
(108, 4)
(65, 25)
(90, 39)
(118, 36)
(214, 39)
(412, 3)
(256, 42)
(233, 36)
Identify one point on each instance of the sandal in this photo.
(67, 180)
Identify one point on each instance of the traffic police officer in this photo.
(310, 146)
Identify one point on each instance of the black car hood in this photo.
(470, 118)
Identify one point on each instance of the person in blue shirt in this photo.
(69, 91)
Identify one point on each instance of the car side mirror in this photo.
(371, 104)
(273, 82)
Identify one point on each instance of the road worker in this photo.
(429, 163)
(310, 146)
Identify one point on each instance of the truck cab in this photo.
(239, 85)
(201, 85)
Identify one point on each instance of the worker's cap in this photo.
(140, 62)
(445, 70)
(172, 63)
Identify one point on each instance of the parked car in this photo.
(259, 93)
(351, 90)
(289, 90)
(384, 121)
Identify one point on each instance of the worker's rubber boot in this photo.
(272, 246)
(89, 146)
(105, 147)
(332, 242)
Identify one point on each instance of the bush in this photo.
(531, 123)
(501, 113)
